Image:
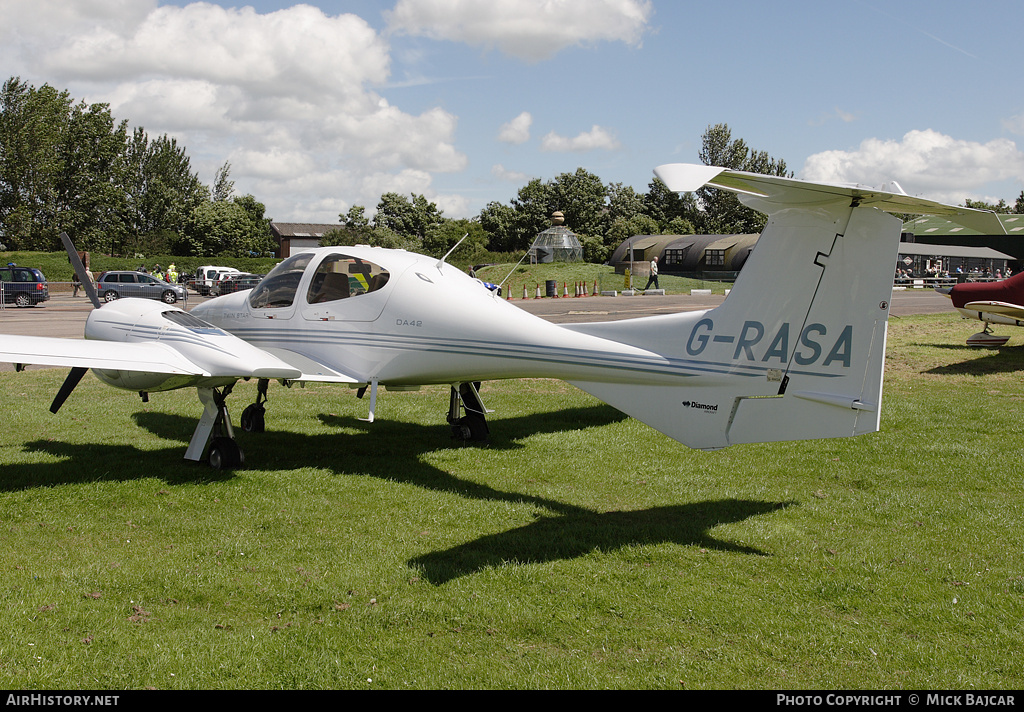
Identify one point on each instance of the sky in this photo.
(324, 105)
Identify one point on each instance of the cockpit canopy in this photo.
(338, 276)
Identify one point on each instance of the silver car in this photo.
(114, 285)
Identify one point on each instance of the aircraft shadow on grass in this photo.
(392, 451)
(1000, 360)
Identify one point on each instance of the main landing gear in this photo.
(214, 428)
(214, 437)
(471, 427)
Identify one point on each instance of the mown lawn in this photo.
(581, 550)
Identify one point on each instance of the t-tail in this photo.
(797, 349)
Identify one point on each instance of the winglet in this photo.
(686, 177)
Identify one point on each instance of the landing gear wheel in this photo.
(253, 420)
(471, 427)
(225, 454)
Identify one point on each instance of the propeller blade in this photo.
(69, 385)
(80, 272)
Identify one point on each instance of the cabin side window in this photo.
(342, 276)
(278, 288)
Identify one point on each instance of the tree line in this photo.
(601, 215)
(69, 166)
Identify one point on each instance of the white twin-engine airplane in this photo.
(795, 352)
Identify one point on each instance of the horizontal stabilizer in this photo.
(770, 193)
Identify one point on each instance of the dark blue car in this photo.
(23, 286)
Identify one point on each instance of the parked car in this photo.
(114, 285)
(236, 283)
(208, 275)
(24, 286)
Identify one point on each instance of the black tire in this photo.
(22, 300)
(253, 420)
(169, 297)
(225, 454)
(110, 295)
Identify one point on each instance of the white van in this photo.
(209, 275)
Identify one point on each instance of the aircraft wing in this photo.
(312, 370)
(148, 357)
(83, 353)
(1014, 311)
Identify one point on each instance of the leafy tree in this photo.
(161, 191)
(624, 202)
(447, 235)
(580, 196)
(72, 167)
(411, 218)
(532, 208)
(1000, 207)
(624, 228)
(498, 221)
(89, 201)
(223, 186)
(669, 208)
(355, 218)
(260, 239)
(229, 228)
(355, 229)
(720, 211)
(31, 128)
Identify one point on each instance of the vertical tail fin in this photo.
(797, 349)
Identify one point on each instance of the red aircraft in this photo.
(999, 302)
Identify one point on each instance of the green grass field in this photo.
(581, 550)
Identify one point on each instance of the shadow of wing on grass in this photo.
(575, 535)
(99, 462)
(1002, 360)
(389, 450)
(394, 450)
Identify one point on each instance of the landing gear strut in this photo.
(214, 428)
(471, 427)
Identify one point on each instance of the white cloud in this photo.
(1015, 124)
(503, 174)
(596, 138)
(299, 121)
(517, 130)
(531, 30)
(232, 46)
(925, 162)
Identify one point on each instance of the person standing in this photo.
(654, 275)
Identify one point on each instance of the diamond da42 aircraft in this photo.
(796, 351)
